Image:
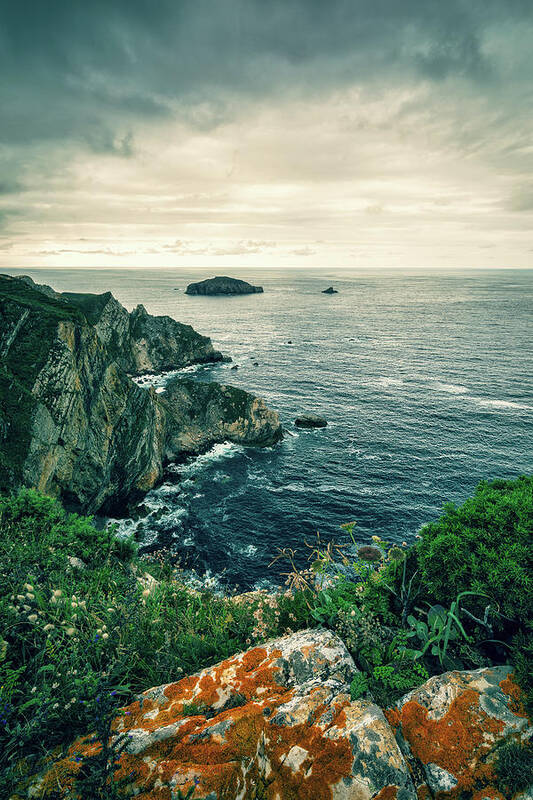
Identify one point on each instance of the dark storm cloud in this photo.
(91, 69)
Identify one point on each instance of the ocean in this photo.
(425, 378)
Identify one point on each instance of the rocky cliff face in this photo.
(73, 424)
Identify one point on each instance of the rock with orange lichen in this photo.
(275, 722)
(450, 727)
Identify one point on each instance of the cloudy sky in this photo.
(346, 133)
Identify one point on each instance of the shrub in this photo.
(483, 546)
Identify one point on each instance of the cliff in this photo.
(72, 422)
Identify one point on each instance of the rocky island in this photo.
(73, 423)
(222, 285)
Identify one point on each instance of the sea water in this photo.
(425, 378)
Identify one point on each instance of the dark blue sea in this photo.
(425, 378)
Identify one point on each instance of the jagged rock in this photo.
(449, 730)
(310, 421)
(222, 285)
(330, 290)
(201, 413)
(72, 423)
(140, 342)
(275, 722)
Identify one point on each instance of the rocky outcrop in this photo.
(140, 342)
(275, 722)
(202, 413)
(222, 285)
(74, 425)
(329, 290)
(450, 730)
(310, 421)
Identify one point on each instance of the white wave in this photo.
(502, 404)
(451, 388)
(217, 453)
(385, 381)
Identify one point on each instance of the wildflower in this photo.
(30, 596)
(74, 605)
(57, 593)
(396, 554)
(70, 631)
(21, 597)
(146, 593)
(48, 627)
(105, 636)
(404, 544)
(26, 608)
(28, 587)
(111, 610)
(33, 689)
(55, 685)
(56, 705)
(98, 630)
(376, 539)
(33, 618)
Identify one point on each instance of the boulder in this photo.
(310, 421)
(222, 285)
(330, 290)
(275, 722)
(449, 730)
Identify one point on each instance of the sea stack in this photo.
(330, 290)
(222, 285)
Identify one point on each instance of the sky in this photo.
(282, 133)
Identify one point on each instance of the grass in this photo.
(71, 630)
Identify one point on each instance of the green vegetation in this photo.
(514, 767)
(85, 623)
(84, 620)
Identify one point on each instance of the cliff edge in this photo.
(72, 422)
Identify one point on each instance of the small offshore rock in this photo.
(310, 421)
(329, 290)
(222, 285)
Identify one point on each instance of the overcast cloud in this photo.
(288, 132)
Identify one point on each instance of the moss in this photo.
(514, 767)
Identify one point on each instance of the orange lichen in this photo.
(221, 749)
(423, 792)
(387, 793)
(515, 694)
(488, 793)
(457, 742)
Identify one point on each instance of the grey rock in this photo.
(74, 425)
(222, 285)
(310, 421)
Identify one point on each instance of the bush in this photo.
(483, 546)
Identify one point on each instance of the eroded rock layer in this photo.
(73, 423)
